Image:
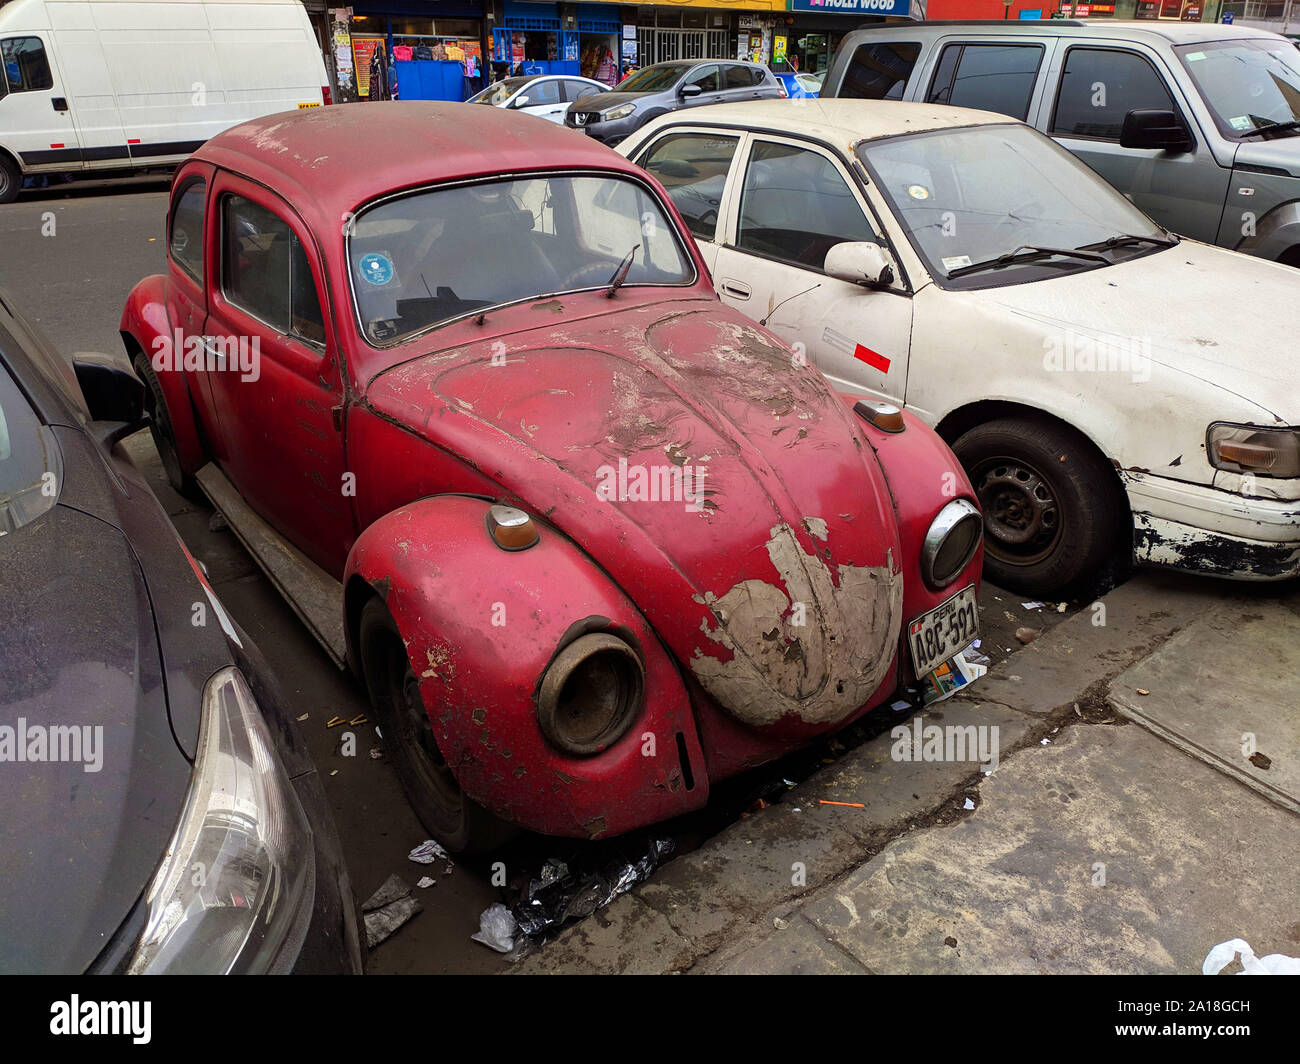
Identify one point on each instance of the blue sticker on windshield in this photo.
(376, 269)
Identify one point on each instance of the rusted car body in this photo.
(631, 542)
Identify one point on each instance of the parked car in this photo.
(800, 86)
(591, 540)
(145, 741)
(664, 87)
(1196, 123)
(106, 86)
(547, 96)
(1108, 387)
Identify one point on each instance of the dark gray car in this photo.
(1198, 124)
(161, 812)
(664, 87)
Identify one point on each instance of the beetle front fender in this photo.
(145, 327)
(481, 625)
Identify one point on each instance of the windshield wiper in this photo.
(1026, 253)
(1126, 239)
(1272, 127)
(620, 275)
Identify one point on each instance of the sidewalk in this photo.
(1096, 845)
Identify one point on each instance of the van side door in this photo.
(1096, 84)
(35, 121)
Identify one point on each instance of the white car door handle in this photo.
(735, 288)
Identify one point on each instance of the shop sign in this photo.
(853, 7)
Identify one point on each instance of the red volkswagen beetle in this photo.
(592, 540)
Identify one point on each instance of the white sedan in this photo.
(1114, 392)
(545, 95)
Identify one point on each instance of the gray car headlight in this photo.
(235, 890)
(615, 113)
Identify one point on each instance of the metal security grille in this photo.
(661, 46)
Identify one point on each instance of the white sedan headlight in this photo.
(1247, 449)
(235, 889)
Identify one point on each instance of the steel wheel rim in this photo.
(1023, 515)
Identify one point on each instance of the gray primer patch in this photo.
(820, 671)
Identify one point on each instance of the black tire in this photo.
(11, 181)
(1052, 508)
(458, 822)
(160, 427)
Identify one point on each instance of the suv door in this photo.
(1096, 86)
(795, 201)
(280, 441)
(709, 78)
(988, 74)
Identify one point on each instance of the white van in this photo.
(122, 85)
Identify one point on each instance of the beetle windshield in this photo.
(971, 194)
(498, 93)
(653, 78)
(1249, 84)
(430, 257)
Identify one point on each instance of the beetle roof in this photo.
(328, 160)
(836, 121)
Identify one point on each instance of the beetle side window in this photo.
(185, 241)
(795, 207)
(1099, 86)
(693, 168)
(25, 67)
(265, 270)
(990, 77)
(879, 71)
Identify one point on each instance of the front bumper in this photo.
(1206, 530)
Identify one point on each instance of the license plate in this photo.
(948, 628)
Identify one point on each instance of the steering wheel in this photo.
(592, 273)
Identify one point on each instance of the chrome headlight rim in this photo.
(948, 521)
(578, 682)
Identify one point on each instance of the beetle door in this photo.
(795, 202)
(275, 373)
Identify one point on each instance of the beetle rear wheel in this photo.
(451, 817)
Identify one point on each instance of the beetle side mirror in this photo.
(688, 91)
(860, 262)
(1160, 130)
(113, 393)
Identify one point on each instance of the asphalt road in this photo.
(68, 258)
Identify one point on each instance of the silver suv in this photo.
(1197, 124)
(663, 87)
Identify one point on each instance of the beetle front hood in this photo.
(1221, 317)
(728, 491)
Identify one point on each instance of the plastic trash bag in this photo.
(496, 928)
(1274, 964)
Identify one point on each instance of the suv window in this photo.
(990, 77)
(25, 67)
(265, 270)
(795, 206)
(738, 77)
(693, 168)
(879, 71)
(1099, 86)
(185, 242)
(706, 77)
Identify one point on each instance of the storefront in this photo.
(411, 49)
(811, 30)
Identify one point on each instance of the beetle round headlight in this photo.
(590, 694)
(950, 544)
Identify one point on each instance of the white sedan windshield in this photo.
(971, 194)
